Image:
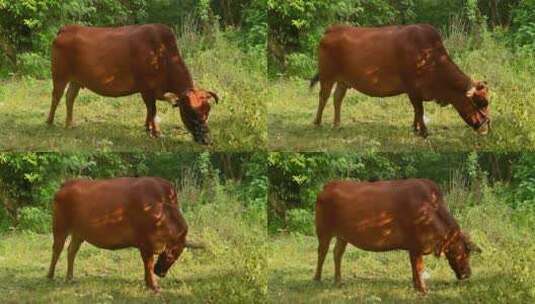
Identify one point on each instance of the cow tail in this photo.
(314, 80)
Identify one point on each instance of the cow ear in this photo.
(481, 85)
(470, 93)
(172, 98)
(472, 247)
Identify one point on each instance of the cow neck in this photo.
(183, 81)
(451, 89)
(456, 80)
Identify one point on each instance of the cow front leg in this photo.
(148, 261)
(417, 264)
(419, 124)
(151, 124)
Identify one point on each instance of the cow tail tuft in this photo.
(314, 80)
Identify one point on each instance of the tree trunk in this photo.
(494, 13)
(8, 49)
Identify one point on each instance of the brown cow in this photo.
(126, 60)
(119, 213)
(390, 215)
(392, 60)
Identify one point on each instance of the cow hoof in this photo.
(317, 124)
(154, 134)
(422, 134)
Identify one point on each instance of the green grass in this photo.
(385, 124)
(238, 122)
(502, 273)
(231, 270)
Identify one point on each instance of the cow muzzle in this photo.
(201, 135)
(484, 127)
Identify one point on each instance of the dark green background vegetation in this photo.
(28, 181)
(27, 27)
(295, 26)
(296, 178)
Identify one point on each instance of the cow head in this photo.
(457, 247)
(167, 258)
(475, 109)
(194, 107)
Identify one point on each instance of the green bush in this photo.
(301, 65)
(300, 221)
(5, 222)
(34, 219)
(34, 65)
(524, 26)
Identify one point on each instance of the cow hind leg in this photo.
(72, 92)
(323, 248)
(325, 92)
(57, 247)
(418, 124)
(73, 249)
(57, 93)
(339, 94)
(339, 249)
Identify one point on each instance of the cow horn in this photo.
(214, 95)
(171, 98)
(470, 93)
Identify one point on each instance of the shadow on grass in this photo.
(389, 290)
(287, 134)
(88, 287)
(108, 134)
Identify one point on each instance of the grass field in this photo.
(238, 122)
(502, 273)
(232, 269)
(385, 124)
